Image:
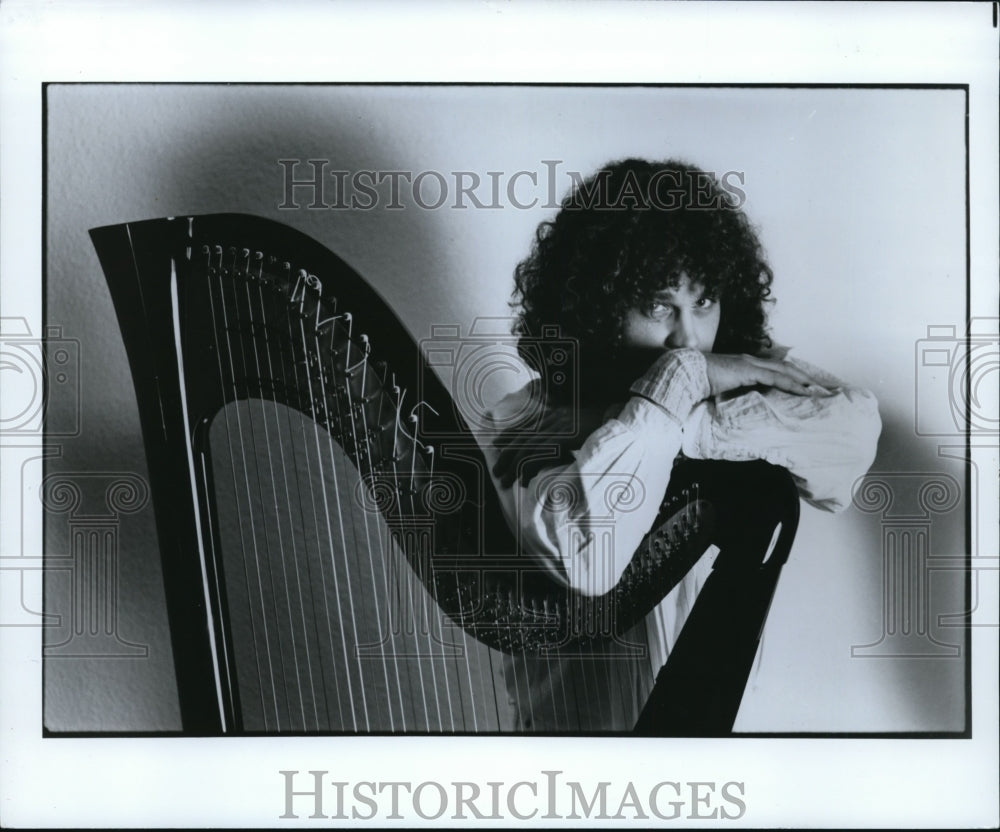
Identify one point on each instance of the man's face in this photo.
(675, 318)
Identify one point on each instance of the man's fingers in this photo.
(808, 381)
(783, 367)
(790, 384)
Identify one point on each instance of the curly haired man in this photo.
(659, 277)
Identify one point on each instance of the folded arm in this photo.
(827, 442)
(584, 512)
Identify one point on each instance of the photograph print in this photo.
(510, 409)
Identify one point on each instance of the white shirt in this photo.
(616, 481)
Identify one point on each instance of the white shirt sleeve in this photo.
(584, 520)
(826, 442)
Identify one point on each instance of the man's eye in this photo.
(655, 308)
(705, 303)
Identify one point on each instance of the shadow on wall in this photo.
(917, 502)
(221, 157)
(237, 167)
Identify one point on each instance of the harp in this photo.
(320, 502)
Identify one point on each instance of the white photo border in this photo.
(232, 782)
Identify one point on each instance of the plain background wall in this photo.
(860, 201)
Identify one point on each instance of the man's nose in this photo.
(683, 334)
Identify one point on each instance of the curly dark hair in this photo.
(631, 230)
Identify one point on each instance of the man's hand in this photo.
(729, 372)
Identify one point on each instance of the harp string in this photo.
(219, 352)
(566, 720)
(254, 376)
(496, 668)
(210, 547)
(460, 649)
(407, 492)
(436, 629)
(586, 672)
(432, 618)
(562, 713)
(512, 664)
(524, 666)
(292, 360)
(362, 453)
(257, 276)
(402, 601)
(303, 342)
(241, 327)
(388, 554)
(384, 544)
(317, 413)
(606, 682)
(492, 684)
(240, 311)
(396, 458)
(213, 556)
(214, 264)
(465, 646)
(286, 642)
